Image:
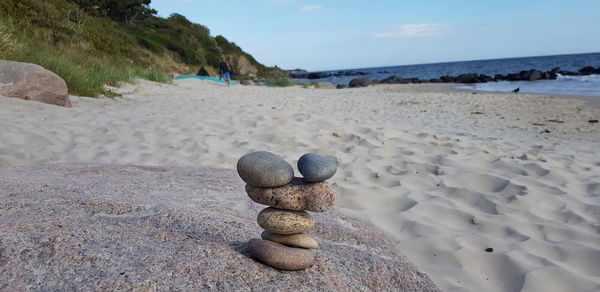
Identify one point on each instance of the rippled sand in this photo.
(446, 174)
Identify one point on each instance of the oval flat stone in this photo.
(280, 256)
(264, 169)
(285, 221)
(295, 240)
(316, 168)
(297, 195)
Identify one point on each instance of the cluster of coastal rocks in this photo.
(270, 181)
(525, 75)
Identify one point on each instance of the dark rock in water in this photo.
(341, 86)
(280, 256)
(316, 168)
(587, 70)
(514, 77)
(531, 75)
(96, 227)
(466, 78)
(318, 75)
(568, 73)
(395, 80)
(499, 77)
(517, 90)
(484, 78)
(549, 76)
(436, 80)
(298, 195)
(554, 70)
(361, 82)
(448, 79)
(264, 169)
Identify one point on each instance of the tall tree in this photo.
(118, 10)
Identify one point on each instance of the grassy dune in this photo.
(91, 51)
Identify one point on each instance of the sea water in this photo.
(565, 85)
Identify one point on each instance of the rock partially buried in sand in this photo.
(285, 221)
(32, 82)
(264, 169)
(316, 168)
(280, 256)
(297, 195)
(297, 240)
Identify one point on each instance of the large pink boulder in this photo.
(139, 228)
(32, 82)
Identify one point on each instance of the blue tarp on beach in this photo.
(208, 78)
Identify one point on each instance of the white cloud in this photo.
(308, 8)
(413, 31)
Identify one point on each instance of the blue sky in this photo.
(345, 34)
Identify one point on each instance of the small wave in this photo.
(586, 78)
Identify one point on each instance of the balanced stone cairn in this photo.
(270, 181)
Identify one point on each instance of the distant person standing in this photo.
(225, 70)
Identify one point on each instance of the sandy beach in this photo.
(482, 191)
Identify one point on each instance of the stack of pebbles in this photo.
(270, 181)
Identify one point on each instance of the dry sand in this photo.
(443, 173)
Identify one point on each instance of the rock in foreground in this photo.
(32, 82)
(108, 227)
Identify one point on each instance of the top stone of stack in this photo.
(316, 168)
(264, 170)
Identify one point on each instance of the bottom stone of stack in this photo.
(296, 240)
(280, 256)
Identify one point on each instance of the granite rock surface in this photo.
(91, 227)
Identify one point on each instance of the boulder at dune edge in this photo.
(32, 82)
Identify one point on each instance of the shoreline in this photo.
(418, 162)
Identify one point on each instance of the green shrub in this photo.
(153, 75)
(281, 82)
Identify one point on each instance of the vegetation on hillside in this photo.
(90, 43)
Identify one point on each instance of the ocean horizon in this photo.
(564, 85)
